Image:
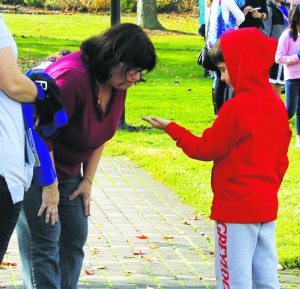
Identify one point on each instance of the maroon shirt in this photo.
(84, 132)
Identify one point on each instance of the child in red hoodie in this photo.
(248, 143)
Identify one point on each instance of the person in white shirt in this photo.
(16, 159)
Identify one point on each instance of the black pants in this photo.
(221, 92)
(9, 214)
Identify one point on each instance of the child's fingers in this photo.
(155, 119)
(145, 118)
(148, 119)
(155, 122)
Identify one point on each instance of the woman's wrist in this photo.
(51, 188)
(262, 16)
(89, 179)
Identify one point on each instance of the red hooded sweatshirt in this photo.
(248, 142)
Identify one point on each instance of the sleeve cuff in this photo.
(174, 130)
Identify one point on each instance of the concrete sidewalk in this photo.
(140, 236)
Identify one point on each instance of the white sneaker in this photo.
(297, 145)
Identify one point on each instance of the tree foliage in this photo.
(104, 5)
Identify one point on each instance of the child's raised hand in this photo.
(156, 122)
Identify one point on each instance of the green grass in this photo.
(177, 91)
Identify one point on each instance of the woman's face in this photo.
(123, 80)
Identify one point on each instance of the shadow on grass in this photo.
(133, 128)
(165, 31)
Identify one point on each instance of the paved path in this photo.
(128, 204)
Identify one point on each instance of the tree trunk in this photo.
(147, 14)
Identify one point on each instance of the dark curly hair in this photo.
(123, 43)
(294, 20)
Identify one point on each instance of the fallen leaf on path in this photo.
(95, 250)
(142, 237)
(137, 252)
(153, 247)
(168, 237)
(101, 267)
(6, 263)
(196, 217)
(185, 222)
(89, 272)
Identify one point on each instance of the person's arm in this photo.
(50, 200)
(234, 9)
(12, 81)
(261, 13)
(84, 188)
(215, 141)
(282, 49)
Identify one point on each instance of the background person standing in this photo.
(288, 53)
(273, 27)
(16, 156)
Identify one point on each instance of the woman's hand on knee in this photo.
(84, 190)
(50, 200)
